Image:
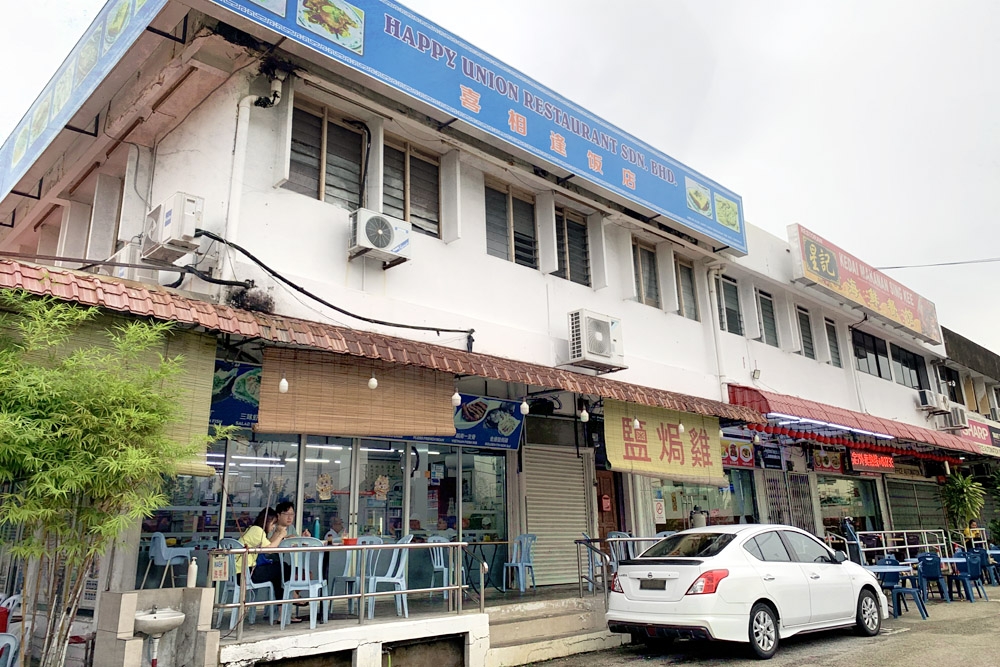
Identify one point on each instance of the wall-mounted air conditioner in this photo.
(956, 419)
(379, 236)
(595, 342)
(933, 403)
(170, 228)
(131, 253)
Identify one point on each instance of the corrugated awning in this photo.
(766, 402)
(162, 303)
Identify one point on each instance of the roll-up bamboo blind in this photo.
(328, 394)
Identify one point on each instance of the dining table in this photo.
(478, 550)
(886, 569)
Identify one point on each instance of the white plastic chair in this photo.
(166, 557)
(522, 561)
(439, 563)
(231, 589)
(306, 574)
(13, 605)
(396, 576)
(9, 645)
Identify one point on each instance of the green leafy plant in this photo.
(83, 448)
(963, 499)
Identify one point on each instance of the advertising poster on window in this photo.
(489, 423)
(816, 261)
(828, 462)
(737, 454)
(235, 394)
(403, 50)
(664, 444)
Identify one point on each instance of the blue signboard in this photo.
(487, 423)
(107, 39)
(413, 55)
(235, 394)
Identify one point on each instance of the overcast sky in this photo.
(875, 124)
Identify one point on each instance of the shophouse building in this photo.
(438, 298)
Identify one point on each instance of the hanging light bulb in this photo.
(680, 428)
(373, 383)
(584, 416)
(525, 408)
(283, 385)
(456, 399)
(635, 424)
(722, 434)
(756, 439)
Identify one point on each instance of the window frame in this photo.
(836, 360)
(800, 312)
(760, 294)
(956, 393)
(883, 365)
(903, 374)
(638, 247)
(564, 218)
(512, 194)
(327, 115)
(722, 281)
(682, 302)
(411, 152)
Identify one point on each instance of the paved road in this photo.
(956, 635)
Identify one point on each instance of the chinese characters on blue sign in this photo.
(413, 55)
(488, 423)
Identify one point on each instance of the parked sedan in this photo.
(742, 583)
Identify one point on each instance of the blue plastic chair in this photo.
(231, 589)
(306, 573)
(990, 574)
(166, 557)
(619, 550)
(891, 582)
(970, 576)
(521, 561)
(594, 569)
(929, 570)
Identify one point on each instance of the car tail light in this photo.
(708, 582)
(616, 586)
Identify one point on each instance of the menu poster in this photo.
(737, 454)
(829, 462)
(490, 423)
(768, 458)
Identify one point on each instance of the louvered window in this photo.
(831, 337)
(686, 295)
(730, 314)
(337, 174)
(647, 285)
(768, 325)
(805, 330)
(510, 227)
(571, 244)
(411, 187)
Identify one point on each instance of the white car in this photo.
(742, 583)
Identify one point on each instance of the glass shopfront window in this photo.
(262, 473)
(841, 497)
(326, 471)
(380, 488)
(724, 505)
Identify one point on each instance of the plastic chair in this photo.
(619, 550)
(231, 589)
(12, 605)
(352, 582)
(521, 561)
(9, 645)
(594, 569)
(898, 594)
(305, 569)
(989, 567)
(929, 570)
(396, 576)
(665, 533)
(439, 563)
(970, 576)
(166, 557)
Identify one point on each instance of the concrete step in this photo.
(557, 646)
(544, 624)
(541, 607)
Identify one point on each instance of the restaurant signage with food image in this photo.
(20, 145)
(737, 454)
(275, 6)
(699, 197)
(335, 20)
(63, 90)
(40, 118)
(727, 212)
(117, 20)
(491, 423)
(235, 394)
(824, 461)
(89, 53)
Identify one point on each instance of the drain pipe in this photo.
(231, 230)
(713, 273)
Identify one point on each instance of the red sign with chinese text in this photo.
(736, 454)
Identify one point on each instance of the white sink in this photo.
(154, 622)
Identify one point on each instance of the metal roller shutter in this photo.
(556, 500)
(914, 505)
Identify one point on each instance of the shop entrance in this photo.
(608, 519)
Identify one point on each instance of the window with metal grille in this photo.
(571, 245)
(871, 355)
(327, 158)
(831, 337)
(411, 187)
(953, 382)
(909, 368)
(728, 296)
(647, 286)
(510, 227)
(765, 312)
(687, 300)
(806, 332)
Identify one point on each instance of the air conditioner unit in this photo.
(379, 236)
(131, 253)
(956, 419)
(595, 342)
(170, 228)
(928, 399)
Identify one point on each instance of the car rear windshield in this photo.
(692, 545)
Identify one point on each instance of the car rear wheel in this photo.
(869, 619)
(763, 631)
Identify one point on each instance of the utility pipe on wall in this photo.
(713, 273)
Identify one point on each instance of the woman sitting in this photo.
(256, 537)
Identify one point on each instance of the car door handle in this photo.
(768, 577)
(814, 576)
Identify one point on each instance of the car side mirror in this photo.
(839, 556)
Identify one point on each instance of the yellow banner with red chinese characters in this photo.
(660, 447)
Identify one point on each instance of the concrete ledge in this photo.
(549, 649)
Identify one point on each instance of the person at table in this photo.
(335, 534)
(286, 518)
(444, 529)
(971, 533)
(265, 532)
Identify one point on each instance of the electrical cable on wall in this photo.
(298, 288)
